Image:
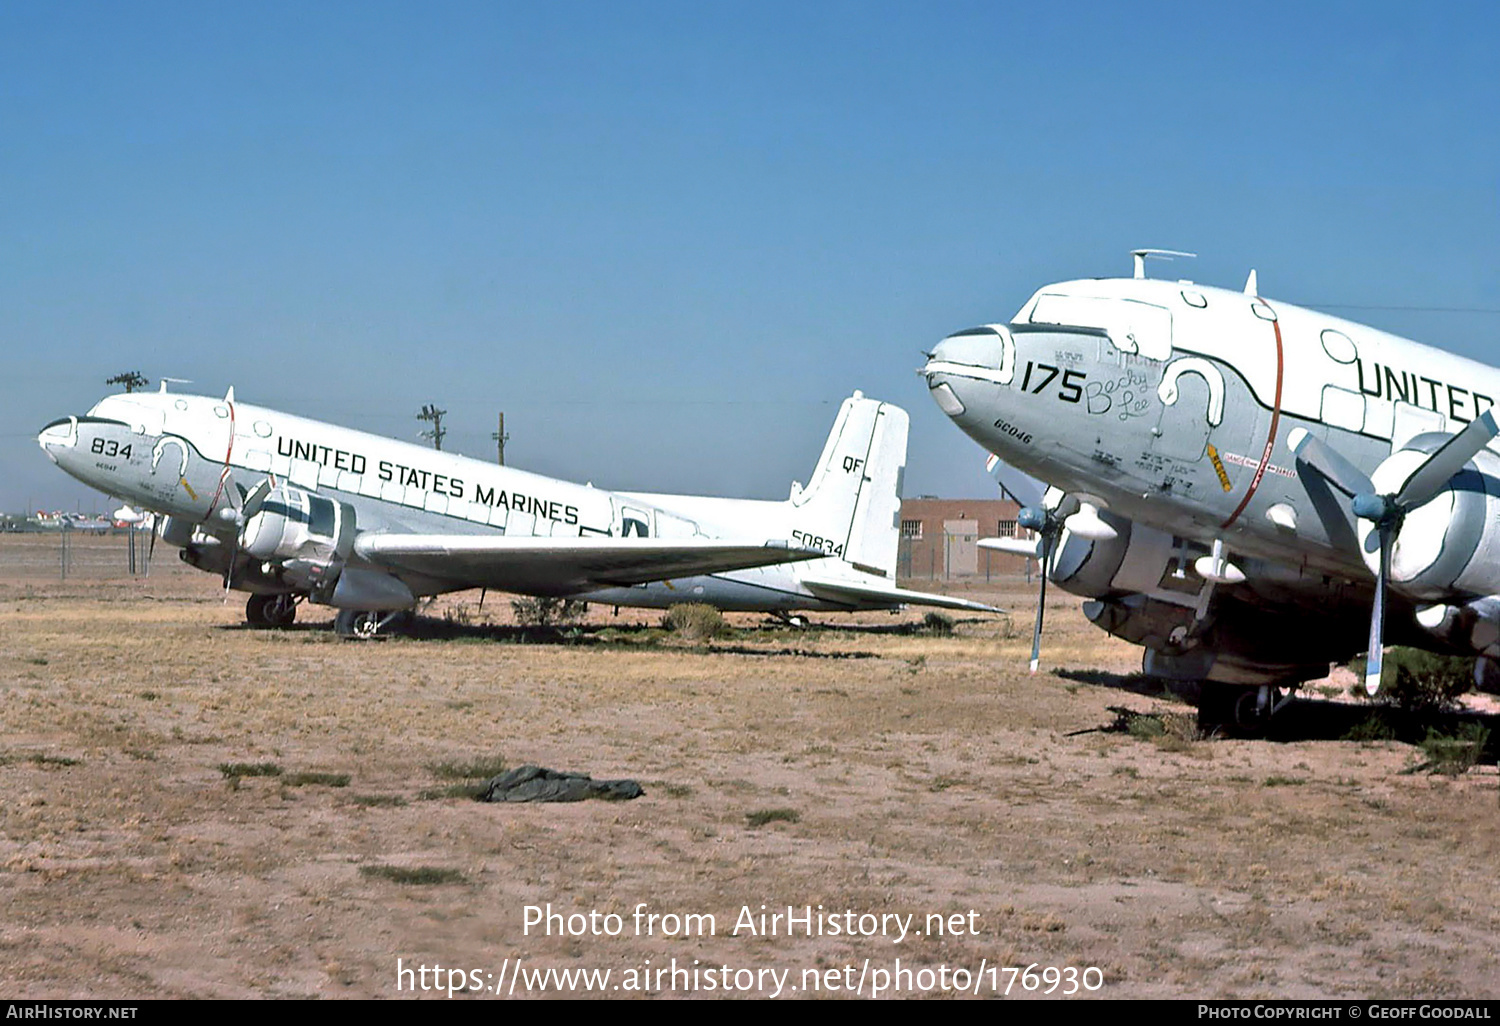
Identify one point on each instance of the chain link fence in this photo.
(948, 556)
(66, 555)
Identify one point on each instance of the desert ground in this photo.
(190, 808)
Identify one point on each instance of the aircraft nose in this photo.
(60, 435)
(980, 355)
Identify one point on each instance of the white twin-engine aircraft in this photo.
(288, 509)
(1239, 485)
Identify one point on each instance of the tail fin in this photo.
(852, 505)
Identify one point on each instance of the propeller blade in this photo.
(1326, 460)
(1031, 548)
(1026, 490)
(1436, 471)
(256, 498)
(1048, 538)
(1374, 656)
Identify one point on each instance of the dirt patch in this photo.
(913, 776)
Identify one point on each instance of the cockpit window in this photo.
(143, 418)
(1133, 327)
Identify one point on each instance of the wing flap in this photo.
(562, 566)
(840, 589)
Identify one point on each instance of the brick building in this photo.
(939, 538)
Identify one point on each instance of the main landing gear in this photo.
(364, 624)
(279, 610)
(1241, 710)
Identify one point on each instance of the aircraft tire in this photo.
(357, 624)
(1232, 709)
(279, 610)
(365, 624)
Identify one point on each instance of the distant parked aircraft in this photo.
(289, 509)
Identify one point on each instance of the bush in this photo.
(420, 875)
(760, 817)
(1373, 728)
(1418, 680)
(1455, 753)
(547, 611)
(939, 625)
(468, 769)
(695, 621)
(232, 770)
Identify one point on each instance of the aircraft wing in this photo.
(840, 589)
(563, 566)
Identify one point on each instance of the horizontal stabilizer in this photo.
(841, 590)
(563, 566)
(1028, 547)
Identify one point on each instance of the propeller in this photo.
(1034, 516)
(1387, 511)
(249, 505)
(156, 519)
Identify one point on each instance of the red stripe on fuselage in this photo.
(1265, 456)
(229, 451)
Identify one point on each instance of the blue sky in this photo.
(667, 239)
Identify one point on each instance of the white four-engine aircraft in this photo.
(1239, 485)
(288, 509)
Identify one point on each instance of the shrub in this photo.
(1418, 680)
(937, 624)
(1372, 728)
(695, 621)
(313, 778)
(1455, 753)
(547, 611)
(233, 770)
(761, 817)
(481, 768)
(413, 875)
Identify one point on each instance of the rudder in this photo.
(852, 505)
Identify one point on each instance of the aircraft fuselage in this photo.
(1172, 402)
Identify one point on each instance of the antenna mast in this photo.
(1141, 256)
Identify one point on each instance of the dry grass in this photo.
(928, 775)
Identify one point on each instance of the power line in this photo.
(1402, 309)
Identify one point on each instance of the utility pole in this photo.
(434, 415)
(500, 438)
(132, 380)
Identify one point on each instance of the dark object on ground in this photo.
(535, 784)
(1124, 719)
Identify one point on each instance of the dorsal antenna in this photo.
(1140, 256)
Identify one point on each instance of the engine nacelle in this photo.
(293, 524)
(1451, 544)
(1471, 627)
(177, 531)
(370, 589)
(1138, 559)
(1144, 586)
(1231, 647)
(307, 536)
